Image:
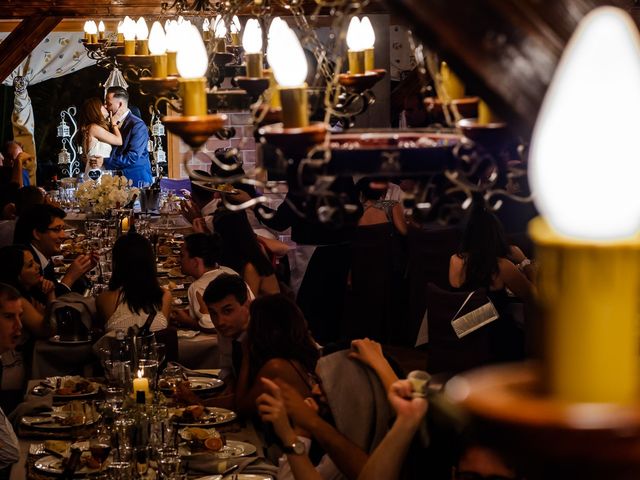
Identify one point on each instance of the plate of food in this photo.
(55, 465)
(72, 387)
(72, 415)
(199, 385)
(203, 441)
(198, 416)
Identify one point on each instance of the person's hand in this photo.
(178, 316)
(408, 408)
(190, 210)
(203, 306)
(516, 255)
(200, 225)
(48, 288)
(81, 265)
(271, 409)
(240, 197)
(367, 351)
(96, 161)
(298, 409)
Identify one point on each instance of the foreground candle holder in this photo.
(158, 86)
(294, 142)
(548, 437)
(195, 129)
(360, 82)
(253, 86)
(136, 61)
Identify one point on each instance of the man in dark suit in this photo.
(41, 228)
(132, 157)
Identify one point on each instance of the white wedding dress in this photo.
(99, 149)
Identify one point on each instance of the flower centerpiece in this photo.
(105, 194)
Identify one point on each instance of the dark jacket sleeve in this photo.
(129, 156)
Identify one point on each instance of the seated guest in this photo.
(134, 292)
(241, 252)
(41, 228)
(279, 345)
(21, 271)
(477, 461)
(10, 332)
(487, 261)
(25, 198)
(199, 258)
(17, 164)
(378, 210)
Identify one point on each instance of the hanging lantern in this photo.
(160, 155)
(63, 129)
(157, 130)
(64, 158)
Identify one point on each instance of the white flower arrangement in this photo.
(106, 193)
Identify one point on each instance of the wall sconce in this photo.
(253, 82)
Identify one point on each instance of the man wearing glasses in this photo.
(41, 228)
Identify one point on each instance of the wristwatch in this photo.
(296, 448)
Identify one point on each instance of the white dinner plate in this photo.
(212, 416)
(53, 465)
(56, 339)
(233, 449)
(187, 333)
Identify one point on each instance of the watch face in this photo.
(298, 448)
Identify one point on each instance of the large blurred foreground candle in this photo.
(289, 65)
(192, 66)
(583, 171)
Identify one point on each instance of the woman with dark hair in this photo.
(487, 261)
(134, 292)
(279, 345)
(241, 252)
(21, 271)
(99, 131)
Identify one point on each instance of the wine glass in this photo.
(100, 447)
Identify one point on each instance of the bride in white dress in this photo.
(99, 131)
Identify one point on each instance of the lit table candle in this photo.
(141, 384)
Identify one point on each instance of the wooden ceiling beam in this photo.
(23, 39)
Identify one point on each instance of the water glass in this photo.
(120, 471)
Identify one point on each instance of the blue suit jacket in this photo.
(132, 156)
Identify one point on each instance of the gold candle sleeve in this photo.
(295, 111)
(588, 292)
(235, 39)
(159, 66)
(274, 91)
(194, 96)
(356, 62)
(452, 85)
(254, 64)
(172, 67)
(120, 38)
(142, 47)
(369, 59)
(220, 45)
(93, 38)
(100, 36)
(129, 47)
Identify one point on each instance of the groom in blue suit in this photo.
(132, 157)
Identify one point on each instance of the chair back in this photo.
(447, 352)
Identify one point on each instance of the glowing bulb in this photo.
(252, 37)
(205, 25)
(86, 27)
(354, 36)
(142, 31)
(235, 26)
(92, 28)
(192, 54)
(119, 29)
(167, 22)
(220, 29)
(140, 373)
(287, 59)
(157, 39)
(584, 172)
(172, 36)
(180, 19)
(129, 29)
(277, 24)
(101, 26)
(367, 33)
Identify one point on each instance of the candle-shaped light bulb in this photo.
(86, 30)
(368, 42)
(252, 44)
(142, 31)
(192, 65)
(120, 32)
(277, 24)
(355, 48)
(129, 33)
(92, 31)
(101, 30)
(289, 64)
(235, 28)
(158, 47)
(140, 373)
(586, 188)
(584, 177)
(220, 30)
(205, 25)
(172, 42)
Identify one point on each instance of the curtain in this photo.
(60, 53)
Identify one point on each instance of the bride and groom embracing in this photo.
(113, 138)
